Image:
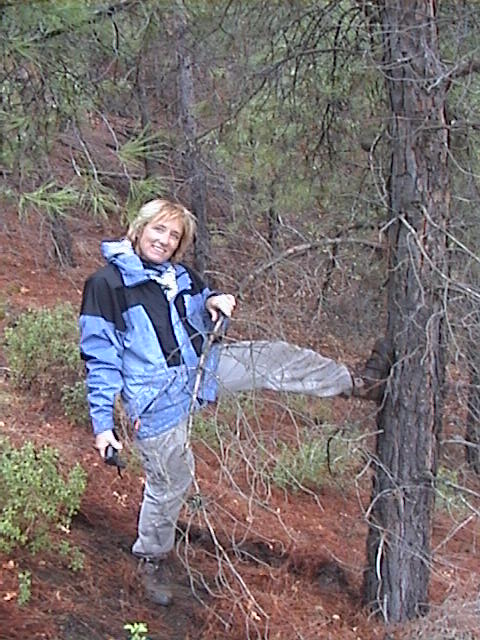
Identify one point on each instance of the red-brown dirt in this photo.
(283, 565)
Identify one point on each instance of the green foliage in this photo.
(244, 405)
(43, 67)
(147, 145)
(309, 463)
(209, 431)
(140, 191)
(74, 555)
(284, 143)
(74, 402)
(50, 200)
(42, 348)
(42, 353)
(311, 411)
(36, 499)
(302, 466)
(137, 630)
(97, 198)
(4, 307)
(24, 588)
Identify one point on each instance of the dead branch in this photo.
(466, 68)
(299, 250)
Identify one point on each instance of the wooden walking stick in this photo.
(214, 334)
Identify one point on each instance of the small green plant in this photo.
(42, 348)
(74, 402)
(310, 463)
(302, 466)
(24, 588)
(246, 403)
(311, 410)
(209, 431)
(36, 501)
(137, 630)
(75, 556)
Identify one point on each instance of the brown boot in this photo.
(156, 576)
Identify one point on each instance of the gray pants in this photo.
(280, 366)
(246, 365)
(169, 469)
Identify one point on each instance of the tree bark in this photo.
(273, 219)
(145, 117)
(409, 420)
(472, 449)
(61, 241)
(193, 162)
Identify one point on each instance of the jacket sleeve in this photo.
(101, 346)
(200, 288)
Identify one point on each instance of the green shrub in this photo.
(74, 402)
(42, 352)
(36, 501)
(244, 405)
(208, 431)
(74, 555)
(42, 349)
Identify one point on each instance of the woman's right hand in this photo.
(221, 303)
(102, 440)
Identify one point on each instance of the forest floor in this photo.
(287, 566)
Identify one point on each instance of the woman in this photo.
(144, 320)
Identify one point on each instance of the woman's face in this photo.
(160, 239)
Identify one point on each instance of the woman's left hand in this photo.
(223, 303)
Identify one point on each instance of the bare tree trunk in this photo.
(61, 241)
(195, 173)
(145, 118)
(398, 545)
(472, 449)
(273, 220)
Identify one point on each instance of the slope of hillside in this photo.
(263, 562)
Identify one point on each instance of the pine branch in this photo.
(97, 14)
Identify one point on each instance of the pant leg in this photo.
(280, 366)
(169, 472)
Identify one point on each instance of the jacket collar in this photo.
(133, 270)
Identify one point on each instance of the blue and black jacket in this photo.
(137, 343)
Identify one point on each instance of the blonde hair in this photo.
(164, 210)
